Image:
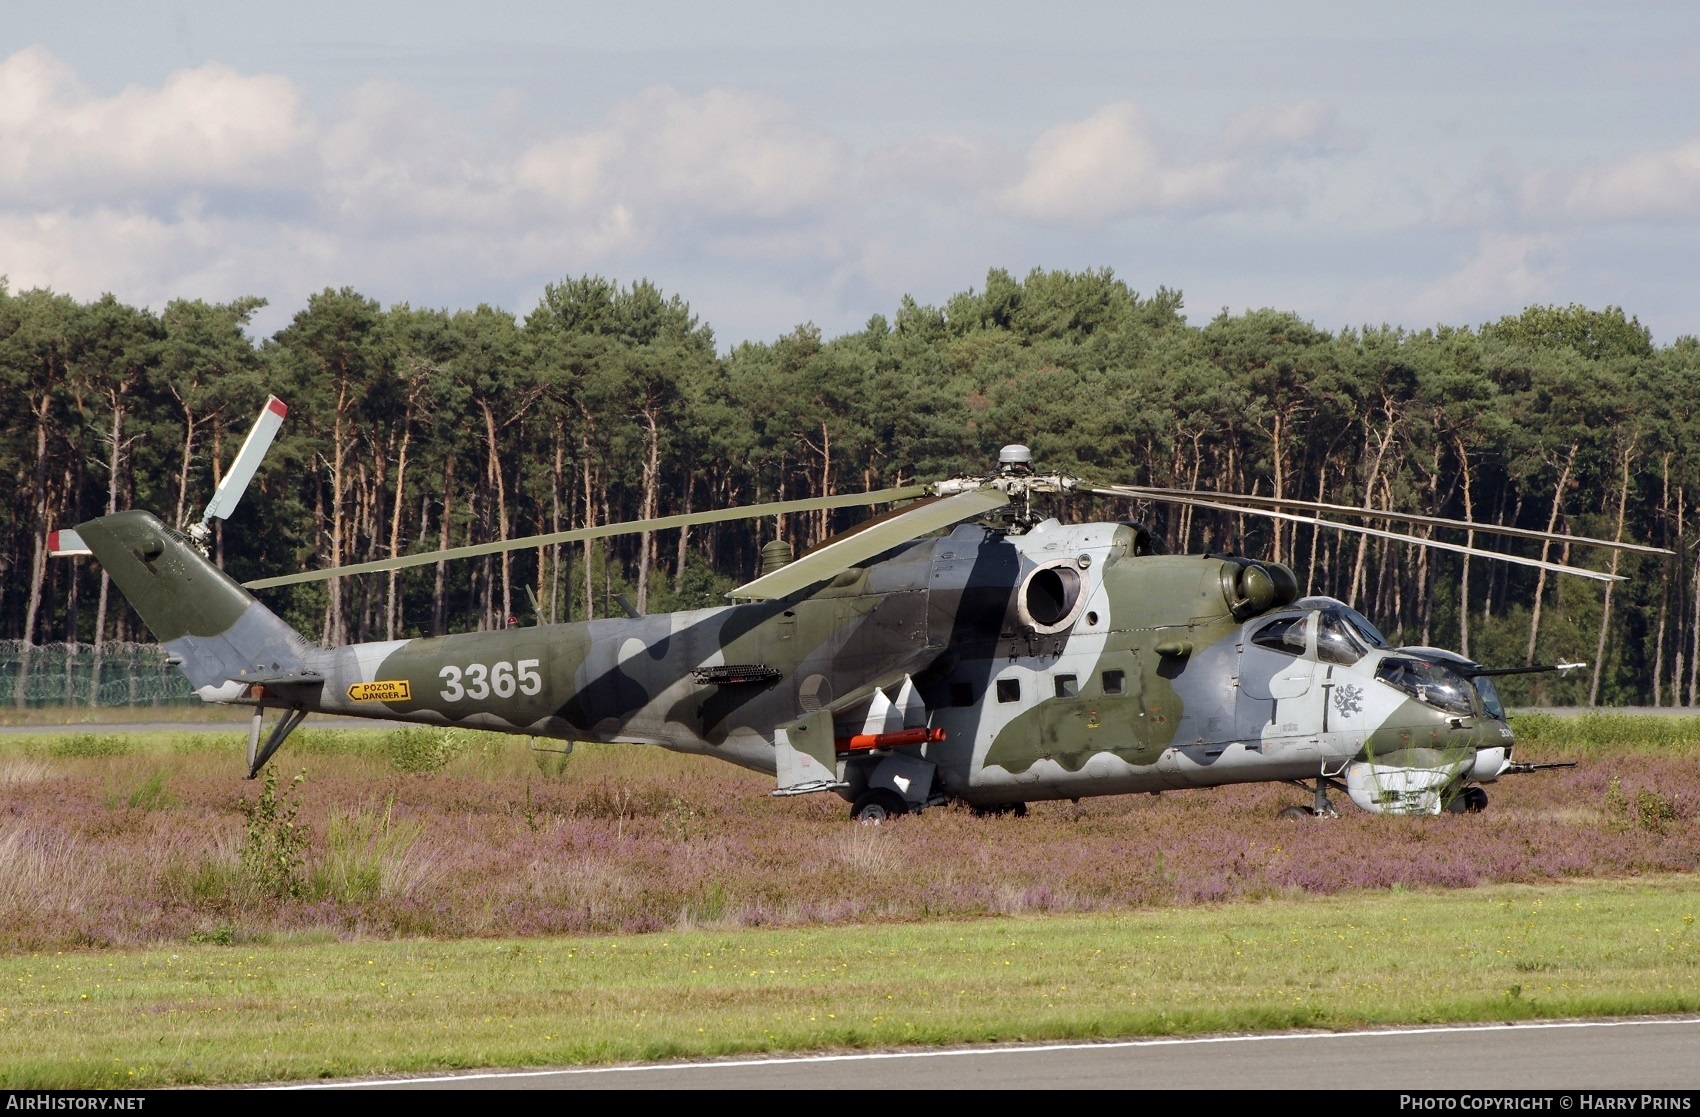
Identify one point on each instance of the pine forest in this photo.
(411, 430)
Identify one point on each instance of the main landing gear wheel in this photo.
(877, 806)
(1293, 813)
(1472, 800)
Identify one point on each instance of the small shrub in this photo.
(207, 882)
(275, 855)
(1648, 810)
(1653, 812)
(366, 855)
(152, 794)
(90, 744)
(328, 742)
(218, 936)
(1616, 805)
(552, 762)
(486, 748)
(421, 751)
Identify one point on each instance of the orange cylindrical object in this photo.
(861, 742)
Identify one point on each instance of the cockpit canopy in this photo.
(1343, 635)
(1435, 677)
(1455, 670)
(1431, 682)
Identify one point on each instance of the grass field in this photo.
(128, 839)
(423, 900)
(294, 1009)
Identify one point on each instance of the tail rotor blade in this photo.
(254, 447)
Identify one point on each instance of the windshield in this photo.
(1491, 704)
(1339, 615)
(1433, 684)
(1336, 639)
(1366, 631)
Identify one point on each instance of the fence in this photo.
(77, 675)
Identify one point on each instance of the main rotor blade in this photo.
(1438, 545)
(1400, 517)
(601, 531)
(848, 550)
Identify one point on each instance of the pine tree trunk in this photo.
(1616, 558)
(440, 587)
(497, 482)
(392, 607)
(1546, 545)
(651, 483)
(38, 542)
(1464, 566)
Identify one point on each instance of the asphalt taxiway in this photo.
(1653, 1054)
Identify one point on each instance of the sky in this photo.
(781, 163)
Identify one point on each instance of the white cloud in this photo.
(1108, 165)
(1650, 185)
(216, 184)
(208, 127)
(939, 164)
(1505, 274)
(1304, 128)
(396, 160)
(724, 153)
(1115, 163)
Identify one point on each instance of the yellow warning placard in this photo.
(384, 690)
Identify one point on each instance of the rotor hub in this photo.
(1015, 460)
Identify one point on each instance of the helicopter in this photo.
(964, 647)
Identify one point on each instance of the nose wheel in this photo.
(1471, 800)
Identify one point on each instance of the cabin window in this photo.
(961, 694)
(1115, 682)
(1068, 686)
(1286, 635)
(1009, 690)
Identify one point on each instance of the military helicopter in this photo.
(963, 647)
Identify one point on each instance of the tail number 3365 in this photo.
(481, 680)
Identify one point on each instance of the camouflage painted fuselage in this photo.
(1060, 663)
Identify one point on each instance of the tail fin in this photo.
(217, 632)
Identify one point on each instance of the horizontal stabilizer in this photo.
(302, 678)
